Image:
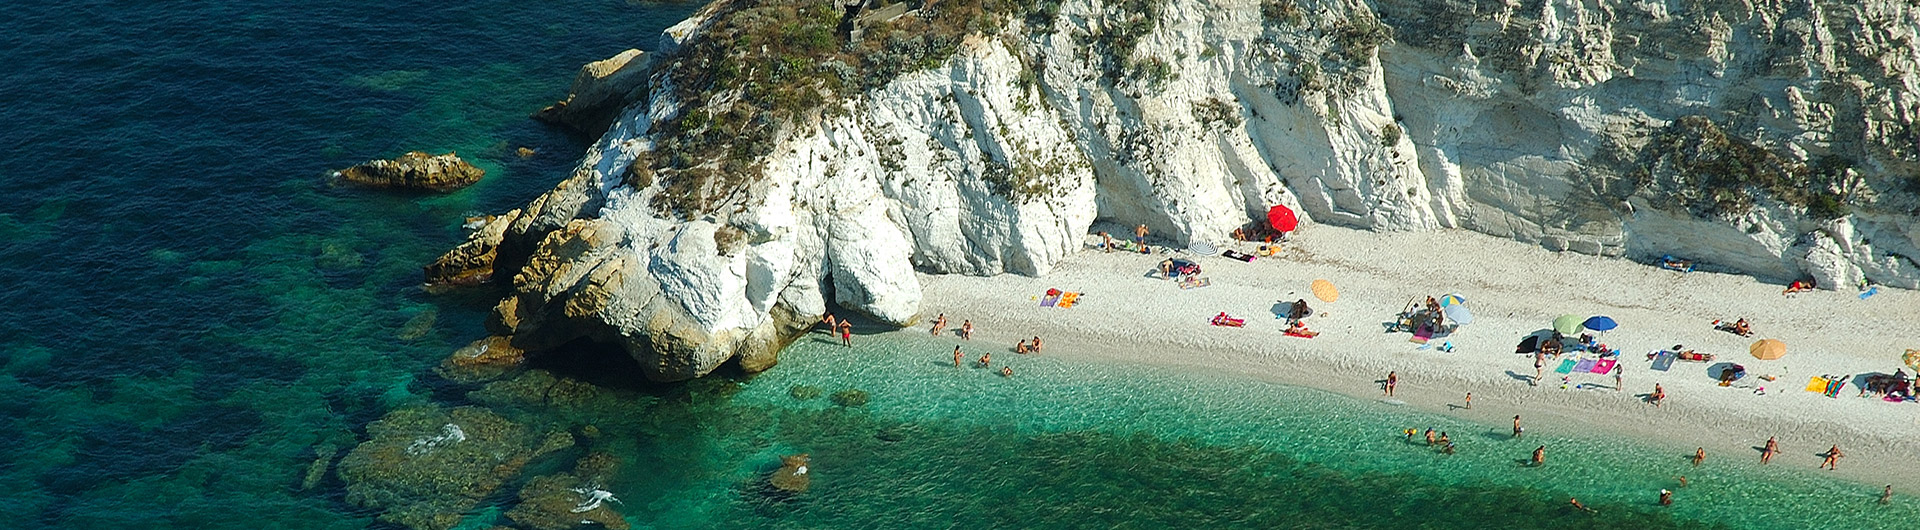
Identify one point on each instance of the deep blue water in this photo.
(189, 306)
(192, 317)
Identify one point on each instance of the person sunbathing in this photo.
(1742, 328)
(1798, 286)
(1299, 329)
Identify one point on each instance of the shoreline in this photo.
(1144, 320)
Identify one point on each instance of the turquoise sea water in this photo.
(192, 316)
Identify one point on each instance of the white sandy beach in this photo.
(1128, 313)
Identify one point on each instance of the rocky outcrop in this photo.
(600, 91)
(414, 170)
(715, 221)
(471, 263)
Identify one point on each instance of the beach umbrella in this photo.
(1912, 358)
(1451, 300)
(1600, 324)
(1567, 324)
(1325, 291)
(1282, 218)
(1202, 248)
(1768, 349)
(1458, 314)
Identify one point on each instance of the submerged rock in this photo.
(415, 170)
(571, 500)
(793, 475)
(424, 466)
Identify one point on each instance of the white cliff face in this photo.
(1525, 119)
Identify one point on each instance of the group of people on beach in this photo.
(965, 332)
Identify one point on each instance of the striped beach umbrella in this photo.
(1451, 300)
(1202, 248)
(1912, 358)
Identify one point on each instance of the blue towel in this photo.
(1870, 292)
(1664, 360)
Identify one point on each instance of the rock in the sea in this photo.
(471, 263)
(571, 500)
(600, 91)
(415, 170)
(483, 360)
(793, 475)
(424, 466)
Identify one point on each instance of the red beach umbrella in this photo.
(1282, 218)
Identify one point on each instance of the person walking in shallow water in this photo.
(1430, 436)
(1393, 378)
(1772, 448)
(957, 356)
(1517, 431)
(1699, 455)
(1886, 496)
(846, 333)
(1540, 456)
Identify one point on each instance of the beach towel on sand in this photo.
(1817, 384)
(1663, 361)
(1603, 366)
(1068, 299)
(1049, 300)
(1194, 282)
(1585, 366)
(1566, 367)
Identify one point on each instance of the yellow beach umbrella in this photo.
(1768, 349)
(1325, 291)
(1912, 358)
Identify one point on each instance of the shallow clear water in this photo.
(191, 315)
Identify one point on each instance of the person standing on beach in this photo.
(846, 333)
(1517, 431)
(1393, 378)
(966, 329)
(832, 324)
(1619, 377)
(957, 356)
(1469, 401)
(1106, 242)
(1772, 448)
(1539, 364)
(1832, 463)
(1699, 455)
(1540, 456)
(1140, 237)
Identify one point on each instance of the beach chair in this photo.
(1406, 320)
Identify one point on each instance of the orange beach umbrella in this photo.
(1768, 349)
(1325, 291)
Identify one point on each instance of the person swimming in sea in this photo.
(1582, 507)
(1410, 432)
(986, 360)
(1429, 436)
(1666, 498)
(1006, 371)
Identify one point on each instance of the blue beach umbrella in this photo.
(1458, 314)
(1600, 323)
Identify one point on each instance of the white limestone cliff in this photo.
(1540, 120)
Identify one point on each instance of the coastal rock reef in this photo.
(414, 170)
(787, 158)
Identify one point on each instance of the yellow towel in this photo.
(1067, 300)
(1817, 384)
